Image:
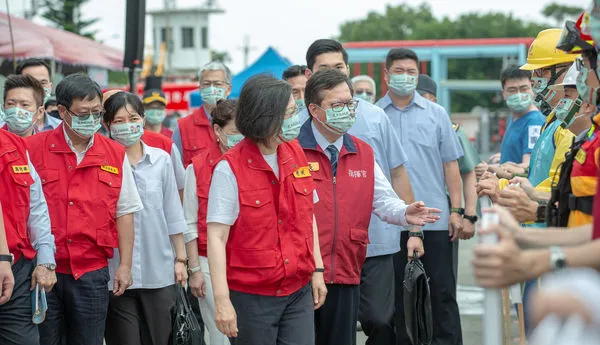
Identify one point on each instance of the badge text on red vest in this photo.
(20, 169)
(302, 172)
(581, 156)
(110, 169)
(313, 166)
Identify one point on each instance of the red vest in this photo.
(204, 164)
(166, 132)
(596, 213)
(342, 217)
(82, 199)
(270, 246)
(196, 134)
(157, 140)
(15, 181)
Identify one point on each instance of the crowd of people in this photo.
(108, 211)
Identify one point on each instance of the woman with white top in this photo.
(263, 246)
(142, 315)
(195, 203)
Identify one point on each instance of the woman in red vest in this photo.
(195, 203)
(142, 315)
(263, 245)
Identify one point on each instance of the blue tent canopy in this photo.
(270, 63)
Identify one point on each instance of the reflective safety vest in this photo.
(196, 134)
(342, 217)
(82, 198)
(270, 245)
(204, 164)
(158, 140)
(15, 183)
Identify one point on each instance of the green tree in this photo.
(560, 12)
(223, 57)
(66, 15)
(403, 22)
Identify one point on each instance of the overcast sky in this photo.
(288, 25)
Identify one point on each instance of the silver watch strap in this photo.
(195, 269)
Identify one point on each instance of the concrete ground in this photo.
(470, 299)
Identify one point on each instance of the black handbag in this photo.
(186, 330)
(417, 303)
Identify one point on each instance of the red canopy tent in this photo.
(33, 40)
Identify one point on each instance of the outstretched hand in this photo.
(417, 214)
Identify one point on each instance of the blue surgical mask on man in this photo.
(155, 116)
(212, 94)
(519, 102)
(339, 121)
(18, 120)
(403, 84)
(85, 126)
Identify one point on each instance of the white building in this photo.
(185, 32)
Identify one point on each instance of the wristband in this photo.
(319, 270)
(460, 210)
(194, 270)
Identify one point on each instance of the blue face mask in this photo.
(155, 116)
(539, 84)
(403, 84)
(234, 139)
(566, 109)
(210, 95)
(47, 94)
(339, 122)
(519, 102)
(85, 126)
(290, 128)
(127, 134)
(365, 96)
(586, 93)
(18, 120)
(300, 104)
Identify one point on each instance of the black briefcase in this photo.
(186, 330)
(417, 303)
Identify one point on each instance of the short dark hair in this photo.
(77, 86)
(400, 54)
(321, 81)
(513, 72)
(224, 112)
(261, 107)
(120, 100)
(32, 62)
(323, 46)
(294, 71)
(27, 82)
(50, 102)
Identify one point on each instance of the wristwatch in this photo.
(194, 269)
(8, 257)
(458, 210)
(541, 213)
(472, 219)
(320, 269)
(558, 259)
(418, 234)
(49, 267)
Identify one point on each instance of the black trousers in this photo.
(140, 317)
(76, 310)
(335, 321)
(376, 310)
(270, 320)
(16, 327)
(439, 265)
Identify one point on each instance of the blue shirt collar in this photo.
(417, 99)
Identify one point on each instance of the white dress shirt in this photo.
(129, 199)
(386, 203)
(162, 216)
(177, 162)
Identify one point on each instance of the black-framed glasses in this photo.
(95, 115)
(338, 107)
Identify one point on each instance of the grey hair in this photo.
(365, 77)
(216, 66)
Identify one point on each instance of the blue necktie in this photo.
(333, 151)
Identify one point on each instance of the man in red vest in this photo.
(7, 280)
(194, 132)
(27, 226)
(350, 185)
(91, 194)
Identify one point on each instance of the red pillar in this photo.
(423, 67)
(370, 69)
(383, 84)
(356, 69)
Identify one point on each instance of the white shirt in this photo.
(129, 199)
(386, 204)
(223, 198)
(162, 216)
(177, 163)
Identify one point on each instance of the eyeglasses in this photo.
(96, 115)
(339, 106)
(216, 83)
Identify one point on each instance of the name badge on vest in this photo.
(110, 169)
(313, 166)
(21, 169)
(302, 172)
(581, 156)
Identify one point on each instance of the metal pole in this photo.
(492, 312)
(12, 39)
(484, 132)
(132, 83)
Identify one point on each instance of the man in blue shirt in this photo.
(525, 124)
(376, 309)
(433, 149)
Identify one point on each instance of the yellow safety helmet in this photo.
(543, 52)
